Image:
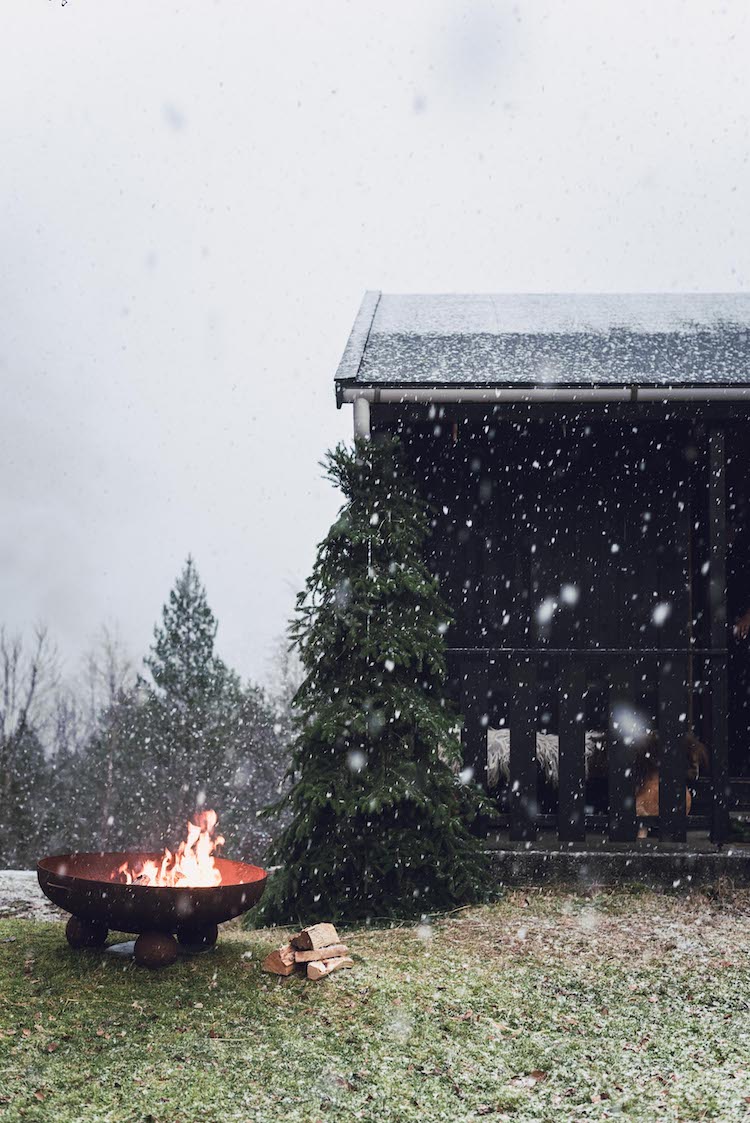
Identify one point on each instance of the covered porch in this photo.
(585, 461)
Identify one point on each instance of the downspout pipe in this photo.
(362, 418)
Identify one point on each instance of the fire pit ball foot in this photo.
(194, 939)
(155, 949)
(85, 933)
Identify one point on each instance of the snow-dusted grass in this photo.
(544, 1007)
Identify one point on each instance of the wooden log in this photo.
(281, 961)
(333, 952)
(316, 936)
(318, 969)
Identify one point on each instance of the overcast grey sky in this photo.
(194, 197)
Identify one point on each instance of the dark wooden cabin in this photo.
(588, 464)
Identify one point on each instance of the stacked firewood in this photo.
(316, 950)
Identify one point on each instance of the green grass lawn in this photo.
(548, 1006)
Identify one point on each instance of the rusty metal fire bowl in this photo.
(82, 885)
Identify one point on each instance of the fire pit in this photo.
(188, 893)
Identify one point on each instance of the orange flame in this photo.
(191, 866)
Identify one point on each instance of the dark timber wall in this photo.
(621, 524)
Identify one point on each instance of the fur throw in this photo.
(547, 755)
(595, 756)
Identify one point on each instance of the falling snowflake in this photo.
(661, 613)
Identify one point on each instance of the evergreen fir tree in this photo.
(183, 664)
(124, 794)
(377, 827)
(22, 825)
(191, 707)
(208, 740)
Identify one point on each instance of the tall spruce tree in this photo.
(182, 662)
(377, 827)
(192, 706)
(210, 738)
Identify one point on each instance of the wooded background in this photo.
(120, 756)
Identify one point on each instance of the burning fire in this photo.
(191, 866)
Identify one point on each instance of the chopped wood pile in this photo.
(317, 950)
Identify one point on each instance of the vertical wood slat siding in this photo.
(571, 826)
(523, 766)
(674, 632)
(591, 539)
(473, 680)
(672, 762)
(622, 820)
(717, 596)
(632, 592)
(720, 788)
(520, 587)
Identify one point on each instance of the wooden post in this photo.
(473, 677)
(523, 766)
(672, 761)
(571, 823)
(622, 820)
(717, 597)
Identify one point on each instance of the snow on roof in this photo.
(566, 339)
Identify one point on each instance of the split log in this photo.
(281, 961)
(316, 936)
(333, 952)
(318, 969)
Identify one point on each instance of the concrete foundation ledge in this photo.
(531, 863)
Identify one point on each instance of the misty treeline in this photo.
(123, 757)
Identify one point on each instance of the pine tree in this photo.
(23, 826)
(125, 795)
(183, 664)
(377, 827)
(207, 738)
(189, 709)
(27, 674)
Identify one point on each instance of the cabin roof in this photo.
(549, 339)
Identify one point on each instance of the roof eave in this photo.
(351, 360)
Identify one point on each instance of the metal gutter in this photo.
(410, 395)
(695, 394)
